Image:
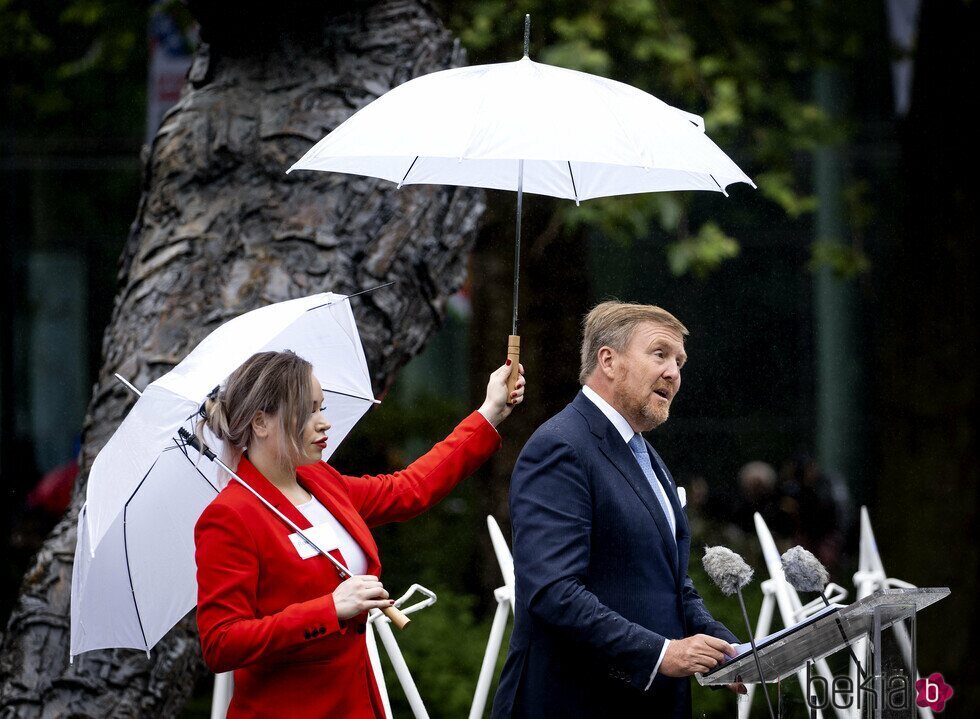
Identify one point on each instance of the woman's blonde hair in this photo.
(275, 383)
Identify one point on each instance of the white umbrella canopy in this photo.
(580, 136)
(141, 581)
(134, 572)
(528, 127)
(319, 328)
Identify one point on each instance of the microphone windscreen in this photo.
(803, 571)
(726, 569)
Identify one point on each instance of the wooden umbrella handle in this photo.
(397, 617)
(514, 355)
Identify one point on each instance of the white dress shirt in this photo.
(626, 432)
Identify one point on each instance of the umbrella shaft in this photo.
(341, 569)
(193, 441)
(517, 241)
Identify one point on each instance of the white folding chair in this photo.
(377, 622)
(380, 623)
(505, 607)
(777, 592)
(869, 578)
(224, 685)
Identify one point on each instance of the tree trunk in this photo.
(221, 229)
(927, 390)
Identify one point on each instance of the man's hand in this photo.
(699, 653)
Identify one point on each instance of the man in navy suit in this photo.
(607, 622)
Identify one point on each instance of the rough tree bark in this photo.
(221, 229)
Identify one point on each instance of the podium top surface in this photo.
(783, 653)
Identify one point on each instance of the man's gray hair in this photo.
(611, 324)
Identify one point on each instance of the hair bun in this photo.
(206, 410)
(213, 414)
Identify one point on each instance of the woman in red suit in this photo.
(291, 630)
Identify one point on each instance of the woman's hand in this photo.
(498, 405)
(358, 594)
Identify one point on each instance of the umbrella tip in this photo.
(527, 34)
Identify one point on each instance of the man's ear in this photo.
(605, 361)
(260, 425)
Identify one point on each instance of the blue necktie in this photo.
(639, 448)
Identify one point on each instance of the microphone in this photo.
(730, 573)
(726, 569)
(806, 573)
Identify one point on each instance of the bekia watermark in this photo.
(932, 692)
(894, 691)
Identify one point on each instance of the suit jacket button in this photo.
(315, 632)
(307, 634)
(323, 630)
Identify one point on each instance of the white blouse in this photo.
(355, 558)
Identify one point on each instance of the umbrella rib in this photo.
(352, 396)
(129, 571)
(355, 294)
(572, 176)
(719, 186)
(183, 450)
(407, 171)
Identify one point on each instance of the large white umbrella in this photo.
(134, 571)
(528, 127)
(578, 136)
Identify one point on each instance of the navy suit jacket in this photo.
(599, 585)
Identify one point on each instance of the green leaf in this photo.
(578, 55)
(846, 262)
(86, 13)
(702, 253)
(777, 186)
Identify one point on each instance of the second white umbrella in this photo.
(134, 570)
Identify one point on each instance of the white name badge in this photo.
(322, 535)
(682, 496)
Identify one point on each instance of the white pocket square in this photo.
(682, 495)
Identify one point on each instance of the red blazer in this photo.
(269, 615)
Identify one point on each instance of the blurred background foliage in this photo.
(74, 69)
